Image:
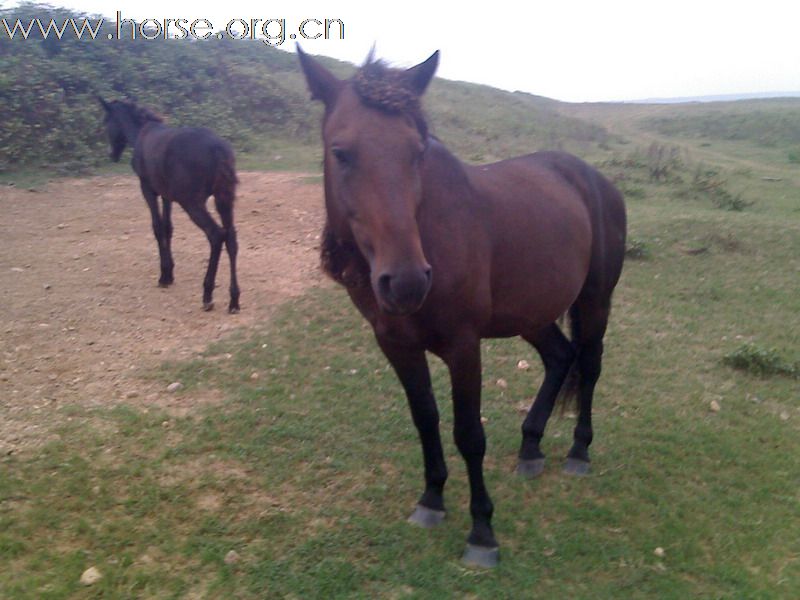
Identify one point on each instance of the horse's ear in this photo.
(104, 104)
(420, 76)
(323, 84)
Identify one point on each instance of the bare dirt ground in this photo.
(82, 317)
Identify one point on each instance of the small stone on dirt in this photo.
(523, 365)
(502, 383)
(231, 557)
(659, 552)
(91, 576)
(784, 415)
(254, 375)
(714, 406)
(175, 386)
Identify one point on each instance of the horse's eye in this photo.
(343, 157)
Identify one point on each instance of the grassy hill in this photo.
(250, 93)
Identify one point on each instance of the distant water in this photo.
(715, 98)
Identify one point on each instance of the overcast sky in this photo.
(568, 50)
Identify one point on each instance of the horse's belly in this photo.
(536, 293)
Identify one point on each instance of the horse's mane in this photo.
(139, 114)
(343, 261)
(387, 89)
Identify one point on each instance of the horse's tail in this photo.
(225, 180)
(567, 397)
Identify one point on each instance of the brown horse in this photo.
(184, 165)
(437, 254)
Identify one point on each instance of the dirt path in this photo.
(82, 315)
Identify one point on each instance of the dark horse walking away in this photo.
(437, 254)
(184, 165)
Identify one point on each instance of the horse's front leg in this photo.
(464, 362)
(411, 367)
(160, 233)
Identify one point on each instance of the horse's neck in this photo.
(133, 130)
(446, 166)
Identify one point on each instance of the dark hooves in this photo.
(207, 306)
(164, 284)
(481, 556)
(575, 466)
(426, 517)
(234, 310)
(530, 468)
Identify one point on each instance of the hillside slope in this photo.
(249, 92)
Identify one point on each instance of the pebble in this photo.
(523, 365)
(714, 406)
(502, 383)
(175, 386)
(231, 557)
(91, 576)
(254, 375)
(784, 416)
(659, 552)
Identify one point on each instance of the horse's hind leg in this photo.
(216, 236)
(162, 230)
(167, 265)
(589, 320)
(225, 210)
(557, 355)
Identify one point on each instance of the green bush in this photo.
(760, 361)
(637, 249)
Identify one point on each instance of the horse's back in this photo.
(185, 162)
(553, 222)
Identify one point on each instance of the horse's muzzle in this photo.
(403, 292)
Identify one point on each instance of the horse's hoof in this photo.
(164, 284)
(207, 306)
(530, 468)
(481, 556)
(575, 466)
(426, 517)
(234, 310)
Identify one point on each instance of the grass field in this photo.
(308, 471)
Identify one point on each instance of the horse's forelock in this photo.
(387, 89)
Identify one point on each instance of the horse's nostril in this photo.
(385, 285)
